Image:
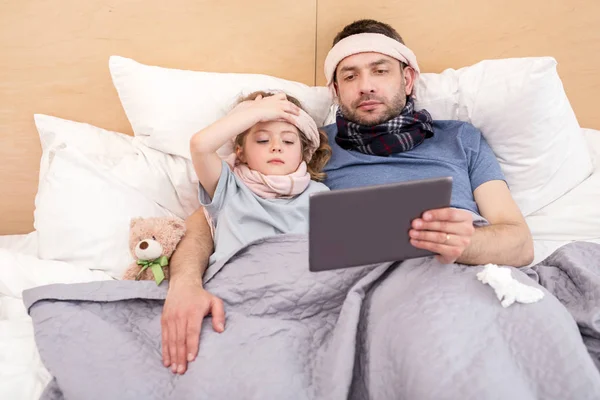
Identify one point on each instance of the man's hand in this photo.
(185, 307)
(445, 231)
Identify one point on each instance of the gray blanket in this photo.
(411, 330)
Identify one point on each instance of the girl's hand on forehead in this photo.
(271, 108)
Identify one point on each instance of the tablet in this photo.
(367, 225)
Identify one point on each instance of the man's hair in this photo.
(367, 26)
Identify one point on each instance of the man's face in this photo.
(372, 87)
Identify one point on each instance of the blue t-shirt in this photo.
(457, 149)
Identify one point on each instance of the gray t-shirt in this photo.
(240, 216)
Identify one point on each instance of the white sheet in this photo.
(26, 244)
(22, 375)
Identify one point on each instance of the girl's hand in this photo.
(204, 144)
(271, 108)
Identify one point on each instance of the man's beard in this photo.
(392, 110)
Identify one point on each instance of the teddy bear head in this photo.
(151, 238)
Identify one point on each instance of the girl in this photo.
(263, 188)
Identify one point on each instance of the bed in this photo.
(138, 119)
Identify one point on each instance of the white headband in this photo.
(366, 43)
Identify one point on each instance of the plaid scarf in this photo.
(403, 133)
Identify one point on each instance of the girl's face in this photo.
(272, 148)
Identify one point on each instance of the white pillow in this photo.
(168, 180)
(575, 215)
(92, 141)
(522, 110)
(82, 214)
(167, 106)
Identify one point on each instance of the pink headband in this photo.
(367, 43)
(304, 122)
(307, 125)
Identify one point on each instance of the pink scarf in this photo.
(274, 186)
(279, 186)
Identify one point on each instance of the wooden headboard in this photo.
(55, 61)
(55, 55)
(453, 34)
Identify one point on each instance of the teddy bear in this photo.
(152, 241)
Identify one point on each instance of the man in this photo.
(378, 138)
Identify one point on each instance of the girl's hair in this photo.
(320, 157)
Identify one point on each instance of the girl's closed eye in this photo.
(289, 138)
(262, 141)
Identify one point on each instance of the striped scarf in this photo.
(403, 133)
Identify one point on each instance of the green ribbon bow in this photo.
(155, 266)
